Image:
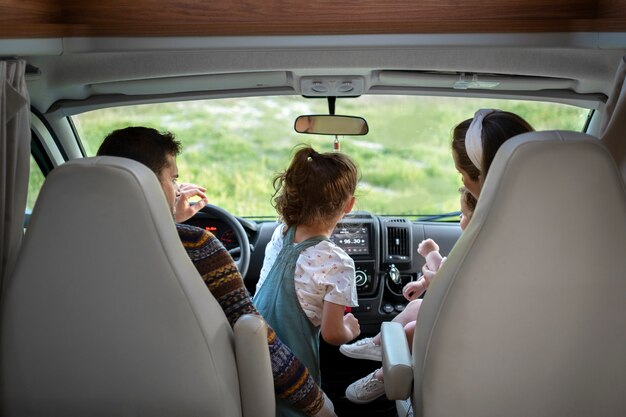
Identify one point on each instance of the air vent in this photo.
(398, 242)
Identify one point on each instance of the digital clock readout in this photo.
(352, 239)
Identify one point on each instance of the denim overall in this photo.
(277, 302)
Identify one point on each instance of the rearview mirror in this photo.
(326, 124)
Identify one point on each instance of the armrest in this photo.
(256, 383)
(397, 366)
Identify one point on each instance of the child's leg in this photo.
(369, 347)
(371, 386)
(405, 317)
(409, 330)
(409, 313)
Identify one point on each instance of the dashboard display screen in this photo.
(221, 230)
(354, 239)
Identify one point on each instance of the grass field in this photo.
(234, 147)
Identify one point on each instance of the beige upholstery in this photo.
(254, 367)
(105, 315)
(396, 361)
(613, 126)
(527, 317)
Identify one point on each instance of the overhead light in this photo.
(319, 87)
(332, 86)
(345, 87)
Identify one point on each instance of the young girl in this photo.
(370, 387)
(306, 280)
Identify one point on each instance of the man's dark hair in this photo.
(143, 144)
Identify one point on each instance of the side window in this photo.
(35, 181)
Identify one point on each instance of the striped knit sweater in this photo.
(292, 380)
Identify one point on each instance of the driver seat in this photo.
(527, 315)
(105, 314)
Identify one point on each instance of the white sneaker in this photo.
(363, 349)
(365, 390)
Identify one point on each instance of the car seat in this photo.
(527, 315)
(613, 123)
(105, 315)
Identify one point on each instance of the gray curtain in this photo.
(14, 159)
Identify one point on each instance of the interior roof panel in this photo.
(68, 75)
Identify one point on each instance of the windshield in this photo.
(234, 147)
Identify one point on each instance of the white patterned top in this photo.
(324, 272)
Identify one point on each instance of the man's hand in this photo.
(184, 209)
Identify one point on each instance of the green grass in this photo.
(235, 147)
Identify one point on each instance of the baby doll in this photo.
(430, 251)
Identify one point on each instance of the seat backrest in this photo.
(104, 313)
(613, 124)
(527, 317)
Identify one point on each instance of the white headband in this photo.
(473, 138)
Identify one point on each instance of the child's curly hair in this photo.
(315, 187)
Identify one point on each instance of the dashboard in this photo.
(219, 229)
(354, 239)
(382, 247)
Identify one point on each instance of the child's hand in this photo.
(352, 325)
(428, 271)
(427, 275)
(338, 328)
(434, 261)
(427, 246)
(414, 289)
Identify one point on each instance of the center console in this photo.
(358, 235)
(382, 249)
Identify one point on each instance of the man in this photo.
(158, 151)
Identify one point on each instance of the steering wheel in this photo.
(242, 238)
